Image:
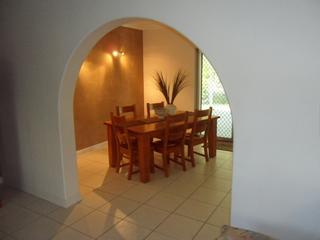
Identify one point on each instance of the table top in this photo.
(150, 125)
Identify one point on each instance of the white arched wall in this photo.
(266, 54)
(65, 107)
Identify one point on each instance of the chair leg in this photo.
(152, 162)
(118, 162)
(131, 161)
(206, 155)
(192, 158)
(165, 164)
(175, 157)
(189, 150)
(183, 161)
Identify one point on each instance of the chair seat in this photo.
(197, 139)
(158, 145)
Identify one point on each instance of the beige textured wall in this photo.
(167, 51)
(105, 81)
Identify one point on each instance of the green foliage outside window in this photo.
(212, 94)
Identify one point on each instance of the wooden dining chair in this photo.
(125, 110)
(198, 134)
(172, 142)
(126, 145)
(153, 106)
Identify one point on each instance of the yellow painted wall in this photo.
(105, 81)
(167, 51)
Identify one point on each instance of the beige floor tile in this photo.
(208, 232)
(179, 227)
(70, 215)
(42, 207)
(83, 162)
(219, 162)
(116, 186)
(226, 203)
(90, 163)
(197, 210)
(159, 181)
(217, 184)
(42, 228)
(223, 174)
(120, 207)
(83, 174)
(125, 230)
(23, 199)
(191, 177)
(224, 155)
(165, 201)
(70, 234)
(85, 189)
(204, 170)
(158, 236)
(8, 238)
(140, 193)
(207, 185)
(220, 217)
(15, 217)
(181, 189)
(96, 199)
(9, 208)
(95, 223)
(147, 217)
(103, 159)
(208, 196)
(227, 165)
(94, 181)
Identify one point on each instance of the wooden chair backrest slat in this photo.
(123, 110)
(201, 121)
(153, 106)
(175, 130)
(119, 127)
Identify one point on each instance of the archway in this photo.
(66, 106)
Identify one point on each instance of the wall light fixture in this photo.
(116, 53)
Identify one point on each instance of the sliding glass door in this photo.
(212, 95)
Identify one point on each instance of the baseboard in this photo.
(93, 147)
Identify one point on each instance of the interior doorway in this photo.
(201, 195)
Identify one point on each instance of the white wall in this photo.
(167, 51)
(266, 54)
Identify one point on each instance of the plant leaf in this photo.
(179, 83)
(162, 85)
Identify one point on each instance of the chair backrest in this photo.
(153, 106)
(175, 130)
(120, 131)
(201, 122)
(124, 110)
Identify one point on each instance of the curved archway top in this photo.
(66, 92)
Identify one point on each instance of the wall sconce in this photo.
(116, 53)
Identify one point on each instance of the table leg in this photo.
(112, 148)
(212, 138)
(144, 157)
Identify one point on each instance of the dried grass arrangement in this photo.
(164, 86)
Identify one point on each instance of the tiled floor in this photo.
(187, 205)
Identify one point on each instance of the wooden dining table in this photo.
(145, 130)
